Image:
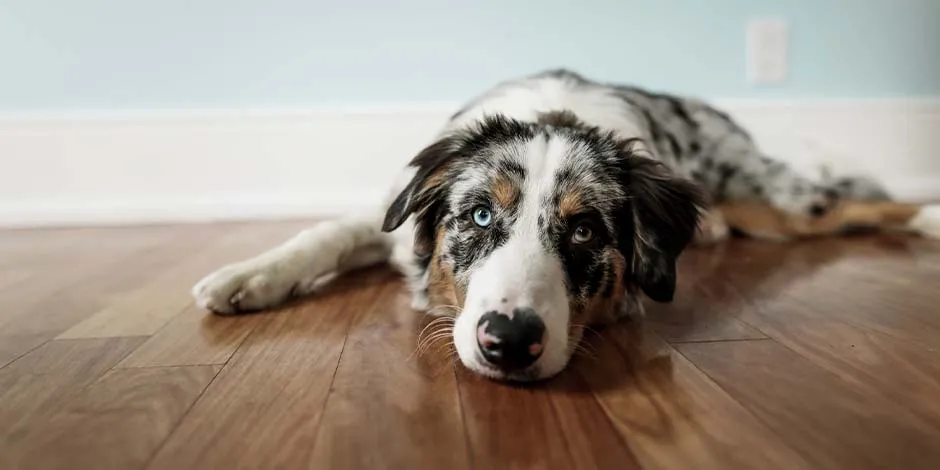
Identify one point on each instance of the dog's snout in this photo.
(511, 340)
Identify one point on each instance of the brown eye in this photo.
(582, 234)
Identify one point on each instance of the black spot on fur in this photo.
(674, 146)
(677, 107)
(656, 132)
(560, 119)
(734, 126)
(726, 172)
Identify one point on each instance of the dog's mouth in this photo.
(482, 367)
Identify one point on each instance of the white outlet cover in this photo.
(767, 51)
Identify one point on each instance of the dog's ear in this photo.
(426, 187)
(663, 216)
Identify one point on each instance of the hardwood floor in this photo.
(822, 354)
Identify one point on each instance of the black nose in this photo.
(511, 341)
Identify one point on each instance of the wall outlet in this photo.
(767, 51)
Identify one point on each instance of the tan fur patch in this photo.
(443, 290)
(767, 221)
(435, 179)
(571, 203)
(504, 191)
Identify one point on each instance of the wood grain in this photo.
(592, 440)
(673, 416)
(872, 338)
(706, 306)
(511, 427)
(829, 422)
(13, 347)
(32, 386)
(379, 381)
(79, 283)
(818, 354)
(881, 366)
(142, 311)
(116, 423)
(264, 408)
(194, 337)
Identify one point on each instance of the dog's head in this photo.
(534, 230)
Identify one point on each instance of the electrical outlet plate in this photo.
(767, 51)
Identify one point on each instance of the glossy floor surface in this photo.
(819, 355)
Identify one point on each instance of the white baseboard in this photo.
(191, 166)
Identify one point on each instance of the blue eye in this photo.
(482, 216)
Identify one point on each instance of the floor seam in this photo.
(179, 422)
(747, 409)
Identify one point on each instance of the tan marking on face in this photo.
(571, 203)
(443, 290)
(424, 244)
(435, 179)
(504, 191)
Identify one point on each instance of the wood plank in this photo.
(554, 424)
(57, 298)
(33, 385)
(378, 388)
(673, 416)
(51, 248)
(706, 306)
(264, 408)
(116, 423)
(832, 424)
(195, 337)
(879, 284)
(13, 347)
(881, 365)
(511, 427)
(146, 309)
(593, 440)
(69, 293)
(850, 377)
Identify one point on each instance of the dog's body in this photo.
(551, 202)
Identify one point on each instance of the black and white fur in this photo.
(635, 161)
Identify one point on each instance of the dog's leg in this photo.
(294, 267)
(767, 221)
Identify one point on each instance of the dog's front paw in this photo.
(242, 287)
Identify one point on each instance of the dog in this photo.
(552, 202)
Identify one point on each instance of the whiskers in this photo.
(435, 344)
(580, 344)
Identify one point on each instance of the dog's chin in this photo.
(535, 373)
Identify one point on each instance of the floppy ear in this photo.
(665, 213)
(425, 187)
(423, 195)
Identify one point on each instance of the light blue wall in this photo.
(76, 54)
